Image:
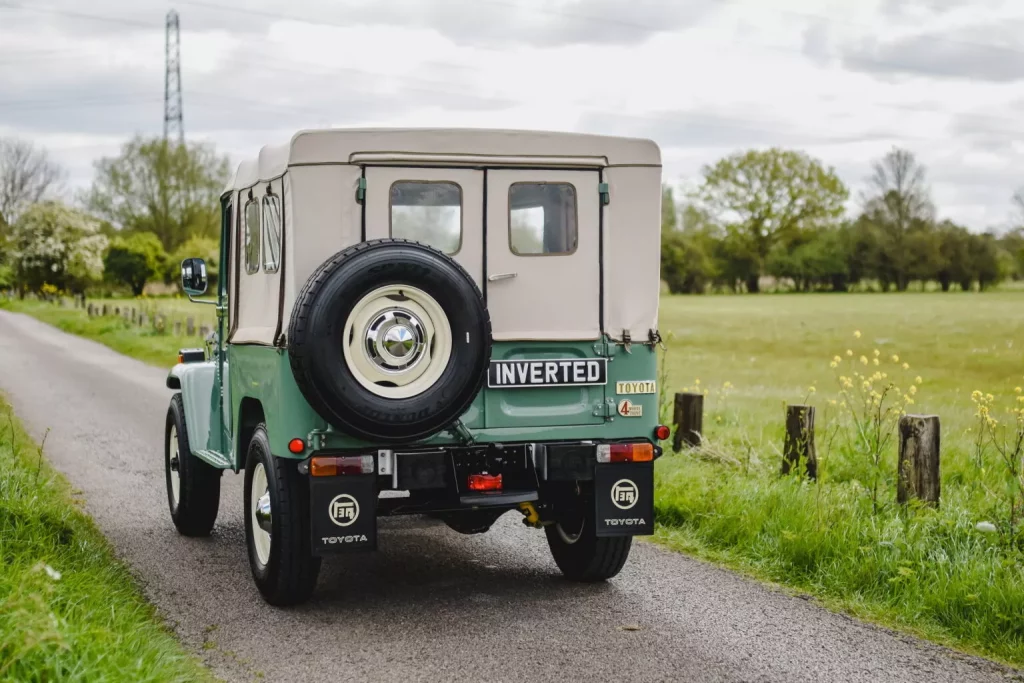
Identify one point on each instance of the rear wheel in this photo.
(576, 548)
(193, 486)
(277, 526)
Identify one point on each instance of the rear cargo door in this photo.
(543, 280)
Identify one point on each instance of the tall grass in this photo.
(955, 573)
(68, 610)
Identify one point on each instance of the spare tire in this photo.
(389, 341)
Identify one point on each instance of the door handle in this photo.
(501, 276)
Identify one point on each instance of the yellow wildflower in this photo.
(849, 352)
(906, 366)
(877, 353)
(912, 390)
(856, 333)
(1016, 390)
(833, 364)
(895, 358)
(811, 389)
(918, 380)
(837, 359)
(864, 360)
(875, 361)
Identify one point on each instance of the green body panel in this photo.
(263, 373)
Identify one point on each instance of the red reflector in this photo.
(296, 445)
(662, 432)
(485, 482)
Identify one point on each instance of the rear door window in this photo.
(428, 212)
(251, 237)
(542, 218)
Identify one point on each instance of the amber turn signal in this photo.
(625, 452)
(329, 466)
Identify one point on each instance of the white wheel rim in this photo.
(260, 538)
(397, 341)
(175, 472)
(568, 538)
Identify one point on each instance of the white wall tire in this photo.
(193, 486)
(281, 560)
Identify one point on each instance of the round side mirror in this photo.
(193, 276)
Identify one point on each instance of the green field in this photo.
(929, 571)
(68, 610)
(842, 539)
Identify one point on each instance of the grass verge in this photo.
(145, 344)
(69, 611)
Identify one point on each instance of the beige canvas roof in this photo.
(455, 146)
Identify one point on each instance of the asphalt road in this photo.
(430, 605)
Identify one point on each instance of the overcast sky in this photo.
(843, 80)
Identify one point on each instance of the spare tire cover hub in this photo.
(397, 341)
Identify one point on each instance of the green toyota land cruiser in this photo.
(454, 323)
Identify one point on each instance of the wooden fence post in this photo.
(918, 473)
(89, 310)
(204, 330)
(142, 319)
(104, 309)
(689, 419)
(190, 327)
(177, 328)
(800, 440)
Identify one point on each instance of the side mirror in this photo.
(193, 276)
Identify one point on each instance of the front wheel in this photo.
(277, 525)
(576, 548)
(193, 486)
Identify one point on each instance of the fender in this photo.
(196, 382)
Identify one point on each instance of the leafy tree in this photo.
(56, 245)
(134, 260)
(27, 175)
(170, 190)
(954, 255)
(669, 210)
(687, 262)
(985, 261)
(898, 203)
(821, 259)
(767, 196)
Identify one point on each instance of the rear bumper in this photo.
(542, 477)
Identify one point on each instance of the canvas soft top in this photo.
(446, 146)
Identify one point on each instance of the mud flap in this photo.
(624, 499)
(344, 513)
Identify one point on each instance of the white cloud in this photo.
(703, 79)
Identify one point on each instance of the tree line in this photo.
(781, 214)
(149, 207)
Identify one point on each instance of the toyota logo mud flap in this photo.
(344, 513)
(624, 497)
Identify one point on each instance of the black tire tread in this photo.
(590, 559)
(293, 577)
(199, 493)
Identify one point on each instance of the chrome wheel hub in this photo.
(260, 513)
(395, 340)
(263, 518)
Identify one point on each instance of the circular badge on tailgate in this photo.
(343, 510)
(625, 494)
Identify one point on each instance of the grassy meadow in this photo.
(955, 574)
(69, 611)
(844, 539)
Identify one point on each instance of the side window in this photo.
(251, 236)
(542, 218)
(271, 233)
(429, 212)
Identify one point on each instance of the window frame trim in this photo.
(462, 217)
(264, 201)
(575, 212)
(259, 235)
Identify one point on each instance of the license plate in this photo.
(569, 372)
